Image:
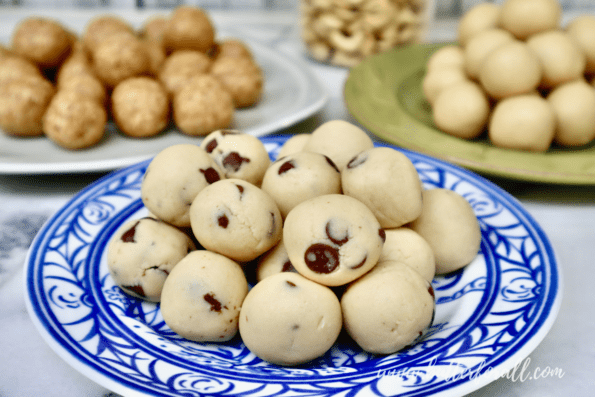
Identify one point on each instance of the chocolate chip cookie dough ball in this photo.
(73, 121)
(181, 66)
(324, 140)
(293, 145)
(386, 181)
(449, 225)
(102, 26)
(301, 176)
(242, 77)
(388, 308)
(173, 179)
(23, 103)
(332, 239)
(273, 261)
(140, 106)
(202, 106)
(403, 245)
(236, 219)
(43, 41)
(189, 28)
(118, 57)
(239, 155)
(142, 254)
(202, 297)
(287, 319)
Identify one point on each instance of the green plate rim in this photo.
(374, 96)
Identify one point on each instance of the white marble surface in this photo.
(28, 367)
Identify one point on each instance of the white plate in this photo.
(291, 94)
(488, 318)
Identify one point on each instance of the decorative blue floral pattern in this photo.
(488, 316)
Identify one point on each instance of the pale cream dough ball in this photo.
(293, 145)
(437, 79)
(524, 18)
(273, 261)
(480, 17)
(582, 30)
(480, 45)
(573, 105)
(449, 225)
(449, 55)
(524, 122)
(462, 110)
(403, 245)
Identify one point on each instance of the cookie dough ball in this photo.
(287, 319)
(14, 67)
(531, 114)
(403, 245)
(4, 52)
(181, 66)
(118, 57)
(445, 57)
(293, 145)
(86, 85)
(154, 28)
(573, 105)
(479, 46)
(449, 225)
(324, 140)
(273, 261)
(233, 48)
(296, 178)
(43, 41)
(189, 28)
(202, 106)
(561, 57)
(388, 308)
(23, 103)
(76, 64)
(236, 219)
(480, 17)
(239, 155)
(140, 106)
(511, 69)
(102, 26)
(582, 30)
(156, 55)
(524, 18)
(242, 77)
(202, 297)
(173, 179)
(386, 181)
(462, 110)
(437, 80)
(332, 239)
(142, 253)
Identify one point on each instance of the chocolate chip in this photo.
(128, 235)
(229, 132)
(223, 221)
(359, 264)
(431, 292)
(295, 327)
(290, 283)
(215, 304)
(322, 258)
(211, 175)
(241, 189)
(156, 268)
(336, 236)
(288, 267)
(137, 289)
(286, 166)
(271, 231)
(357, 160)
(382, 234)
(332, 163)
(211, 146)
(234, 161)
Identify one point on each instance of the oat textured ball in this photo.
(189, 28)
(102, 26)
(77, 63)
(14, 67)
(41, 40)
(179, 67)
(118, 57)
(86, 85)
(242, 77)
(140, 106)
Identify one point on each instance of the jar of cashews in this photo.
(344, 32)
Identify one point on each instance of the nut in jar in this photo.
(344, 32)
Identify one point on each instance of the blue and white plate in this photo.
(489, 316)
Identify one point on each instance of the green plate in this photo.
(384, 94)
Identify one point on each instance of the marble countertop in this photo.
(29, 367)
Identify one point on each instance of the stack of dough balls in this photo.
(171, 70)
(517, 74)
(290, 252)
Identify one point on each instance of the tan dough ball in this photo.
(582, 30)
(4, 52)
(102, 26)
(86, 85)
(403, 245)
(14, 67)
(287, 319)
(462, 110)
(156, 54)
(202, 106)
(189, 28)
(202, 297)
(448, 223)
(511, 69)
(561, 57)
(480, 17)
(73, 121)
(77, 63)
(293, 145)
(118, 57)
(43, 41)
(524, 122)
(181, 66)
(524, 18)
(153, 28)
(233, 48)
(437, 79)
(388, 308)
(448, 56)
(324, 140)
(480, 45)
(140, 106)
(242, 77)
(23, 103)
(573, 104)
